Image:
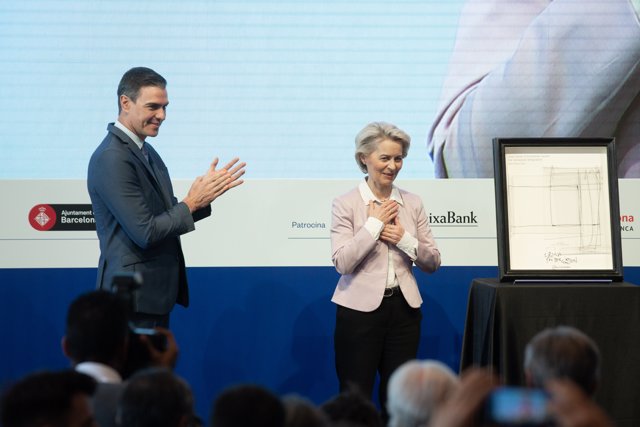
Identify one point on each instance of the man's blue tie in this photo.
(145, 152)
(156, 173)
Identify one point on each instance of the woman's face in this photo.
(384, 164)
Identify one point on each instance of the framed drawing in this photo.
(557, 210)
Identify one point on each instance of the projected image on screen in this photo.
(539, 69)
(283, 85)
(286, 85)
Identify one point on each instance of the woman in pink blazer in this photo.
(378, 232)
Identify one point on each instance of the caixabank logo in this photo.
(56, 217)
(453, 218)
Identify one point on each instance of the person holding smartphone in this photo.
(98, 342)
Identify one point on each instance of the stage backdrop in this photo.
(285, 86)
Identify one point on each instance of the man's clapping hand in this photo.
(214, 183)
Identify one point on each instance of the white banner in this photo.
(265, 223)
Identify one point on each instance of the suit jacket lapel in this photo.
(137, 153)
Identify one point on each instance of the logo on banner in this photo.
(452, 217)
(49, 217)
(42, 217)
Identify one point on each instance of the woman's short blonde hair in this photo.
(371, 135)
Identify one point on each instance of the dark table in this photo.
(503, 317)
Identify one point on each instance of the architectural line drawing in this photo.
(563, 207)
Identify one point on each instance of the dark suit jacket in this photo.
(139, 222)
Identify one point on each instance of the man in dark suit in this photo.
(138, 219)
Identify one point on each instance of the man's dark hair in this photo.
(97, 327)
(44, 398)
(300, 412)
(563, 352)
(247, 406)
(353, 408)
(135, 79)
(155, 398)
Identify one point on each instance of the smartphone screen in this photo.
(159, 341)
(143, 331)
(518, 406)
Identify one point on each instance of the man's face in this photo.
(144, 116)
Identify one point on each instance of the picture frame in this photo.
(557, 209)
